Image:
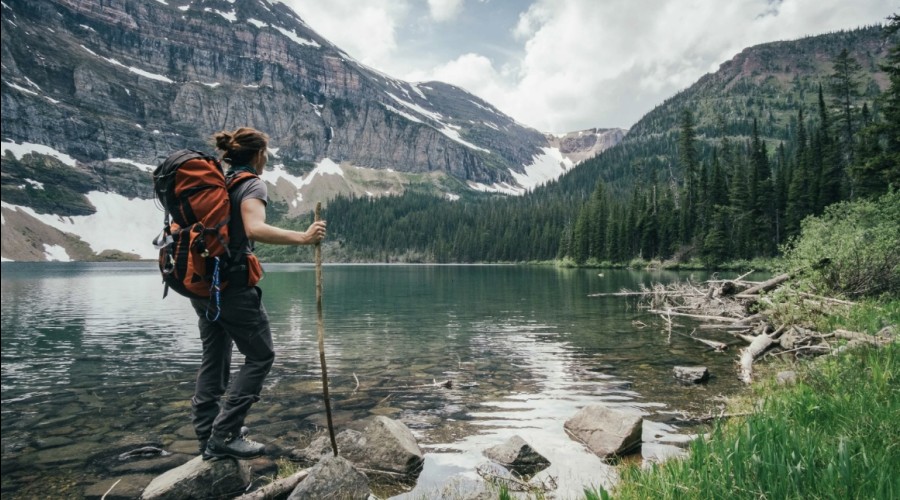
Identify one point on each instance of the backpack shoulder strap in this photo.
(236, 178)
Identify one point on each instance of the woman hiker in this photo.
(218, 417)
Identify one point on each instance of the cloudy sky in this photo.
(565, 65)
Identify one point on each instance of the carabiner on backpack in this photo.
(215, 292)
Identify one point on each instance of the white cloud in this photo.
(444, 10)
(581, 63)
(365, 30)
(606, 64)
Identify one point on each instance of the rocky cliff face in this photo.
(133, 79)
(585, 144)
(107, 88)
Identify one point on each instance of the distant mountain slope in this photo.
(112, 86)
(768, 82)
(639, 205)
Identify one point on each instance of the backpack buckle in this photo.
(163, 240)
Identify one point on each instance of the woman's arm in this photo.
(253, 213)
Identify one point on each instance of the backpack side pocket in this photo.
(254, 270)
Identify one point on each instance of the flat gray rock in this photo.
(200, 479)
(607, 431)
(333, 478)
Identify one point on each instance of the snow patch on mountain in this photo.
(404, 114)
(133, 69)
(142, 166)
(448, 130)
(23, 89)
(105, 229)
(297, 38)
(57, 253)
(231, 16)
(20, 150)
(497, 187)
(324, 167)
(546, 167)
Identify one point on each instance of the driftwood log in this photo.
(766, 285)
(731, 306)
(758, 346)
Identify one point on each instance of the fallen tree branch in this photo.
(702, 419)
(648, 292)
(719, 346)
(697, 316)
(739, 278)
(765, 286)
(708, 326)
(754, 350)
(828, 299)
(277, 489)
(750, 319)
(806, 348)
(848, 335)
(110, 489)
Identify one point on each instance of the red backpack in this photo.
(193, 244)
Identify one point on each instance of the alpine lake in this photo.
(95, 363)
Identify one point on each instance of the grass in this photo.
(832, 435)
(869, 316)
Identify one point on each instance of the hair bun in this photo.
(224, 141)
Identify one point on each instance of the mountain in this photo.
(769, 83)
(629, 201)
(96, 92)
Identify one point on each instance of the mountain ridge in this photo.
(116, 85)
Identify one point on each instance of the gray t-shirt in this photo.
(250, 188)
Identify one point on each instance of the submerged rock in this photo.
(691, 374)
(607, 431)
(518, 456)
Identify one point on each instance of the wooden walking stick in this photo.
(321, 331)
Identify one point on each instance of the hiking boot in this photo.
(233, 446)
(203, 445)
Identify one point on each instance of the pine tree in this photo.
(581, 236)
(829, 184)
(877, 164)
(668, 224)
(760, 192)
(715, 243)
(613, 243)
(599, 209)
(799, 198)
(780, 192)
(687, 158)
(844, 87)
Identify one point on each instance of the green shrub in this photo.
(853, 249)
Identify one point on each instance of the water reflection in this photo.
(94, 361)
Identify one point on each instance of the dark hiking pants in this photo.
(243, 322)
